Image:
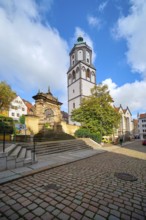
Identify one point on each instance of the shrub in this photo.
(6, 123)
(85, 133)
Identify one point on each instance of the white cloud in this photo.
(94, 21)
(132, 29)
(102, 6)
(31, 55)
(129, 94)
(87, 39)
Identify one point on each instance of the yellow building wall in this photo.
(4, 113)
(32, 124)
(7, 137)
(69, 129)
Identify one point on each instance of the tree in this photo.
(6, 96)
(22, 119)
(96, 112)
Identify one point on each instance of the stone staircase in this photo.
(16, 156)
(51, 147)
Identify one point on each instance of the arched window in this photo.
(49, 113)
(88, 74)
(73, 75)
(77, 73)
(69, 79)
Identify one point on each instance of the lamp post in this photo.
(4, 134)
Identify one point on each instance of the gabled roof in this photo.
(28, 105)
(124, 110)
(48, 97)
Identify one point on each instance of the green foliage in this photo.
(85, 133)
(6, 95)
(6, 124)
(22, 119)
(96, 113)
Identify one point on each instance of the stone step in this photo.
(10, 148)
(16, 151)
(58, 147)
(57, 150)
(28, 157)
(22, 154)
(49, 145)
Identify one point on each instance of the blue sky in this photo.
(36, 37)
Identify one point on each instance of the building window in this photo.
(18, 114)
(74, 75)
(13, 114)
(49, 113)
(73, 105)
(23, 109)
(87, 60)
(73, 91)
(88, 74)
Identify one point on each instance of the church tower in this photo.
(81, 75)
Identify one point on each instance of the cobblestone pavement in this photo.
(86, 189)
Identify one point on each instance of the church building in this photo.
(81, 75)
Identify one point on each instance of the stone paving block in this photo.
(63, 216)
(76, 215)
(89, 214)
(68, 210)
(112, 206)
(99, 217)
(14, 216)
(137, 216)
(46, 216)
(29, 216)
(56, 212)
(9, 212)
(125, 217)
(26, 202)
(23, 211)
(4, 208)
(50, 208)
(111, 217)
(103, 213)
(38, 211)
(32, 206)
(115, 213)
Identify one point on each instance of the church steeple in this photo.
(81, 75)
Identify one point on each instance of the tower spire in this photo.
(48, 89)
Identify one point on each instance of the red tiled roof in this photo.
(28, 105)
(142, 115)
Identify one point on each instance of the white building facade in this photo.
(17, 108)
(142, 126)
(81, 75)
(126, 126)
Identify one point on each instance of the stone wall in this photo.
(69, 129)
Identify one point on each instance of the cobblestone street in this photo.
(86, 189)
